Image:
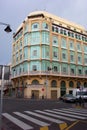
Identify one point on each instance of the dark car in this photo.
(68, 98)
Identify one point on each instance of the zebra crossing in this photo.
(46, 117)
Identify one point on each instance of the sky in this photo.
(14, 12)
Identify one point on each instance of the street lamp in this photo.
(7, 29)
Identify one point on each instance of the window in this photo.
(35, 38)
(21, 43)
(71, 84)
(53, 83)
(47, 53)
(55, 41)
(35, 82)
(78, 46)
(55, 54)
(80, 71)
(26, 39)
(19, 70)
(85, 48)
(64, 69)
(65, 33)
(20, 53)
(34, 68)
(61, 31)
(55, 29)
(20, 56)
(35, 53)
(45, 26)
(63, 43)
(64, 56)
(35, 26)
(71, 45)
(85, 72)
(55, 68)
(71, 58)
(72, 71)
(45, 37)
(85, 60)
(79, 59)
(16, 57)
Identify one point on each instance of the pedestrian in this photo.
(32, 95)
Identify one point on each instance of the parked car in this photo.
(68, 98)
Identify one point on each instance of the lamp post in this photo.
(7, 29)
(48, 70)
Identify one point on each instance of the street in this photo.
(31, 114)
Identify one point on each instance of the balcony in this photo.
(48, 73)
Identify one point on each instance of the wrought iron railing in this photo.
(48, 73)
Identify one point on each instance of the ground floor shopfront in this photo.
(46, 87)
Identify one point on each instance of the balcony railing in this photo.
(48, 73)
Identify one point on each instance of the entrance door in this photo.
(63, 88)
(35, 94)
(54, 94)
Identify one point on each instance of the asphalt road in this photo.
(42, 115)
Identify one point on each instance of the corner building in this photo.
(49, 56)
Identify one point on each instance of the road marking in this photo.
(45, 117)
(44, 128)
(62, 117)
(62, 126)
(78, 110)
(72, 125)
(36, 121)
(19, 123)
(61, 112)
(74, 112)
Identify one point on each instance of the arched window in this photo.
(71, 84)
(45, 26)
(53, 83)
(35, 82)
(63, 88)
(78, 84)
(35, 26)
